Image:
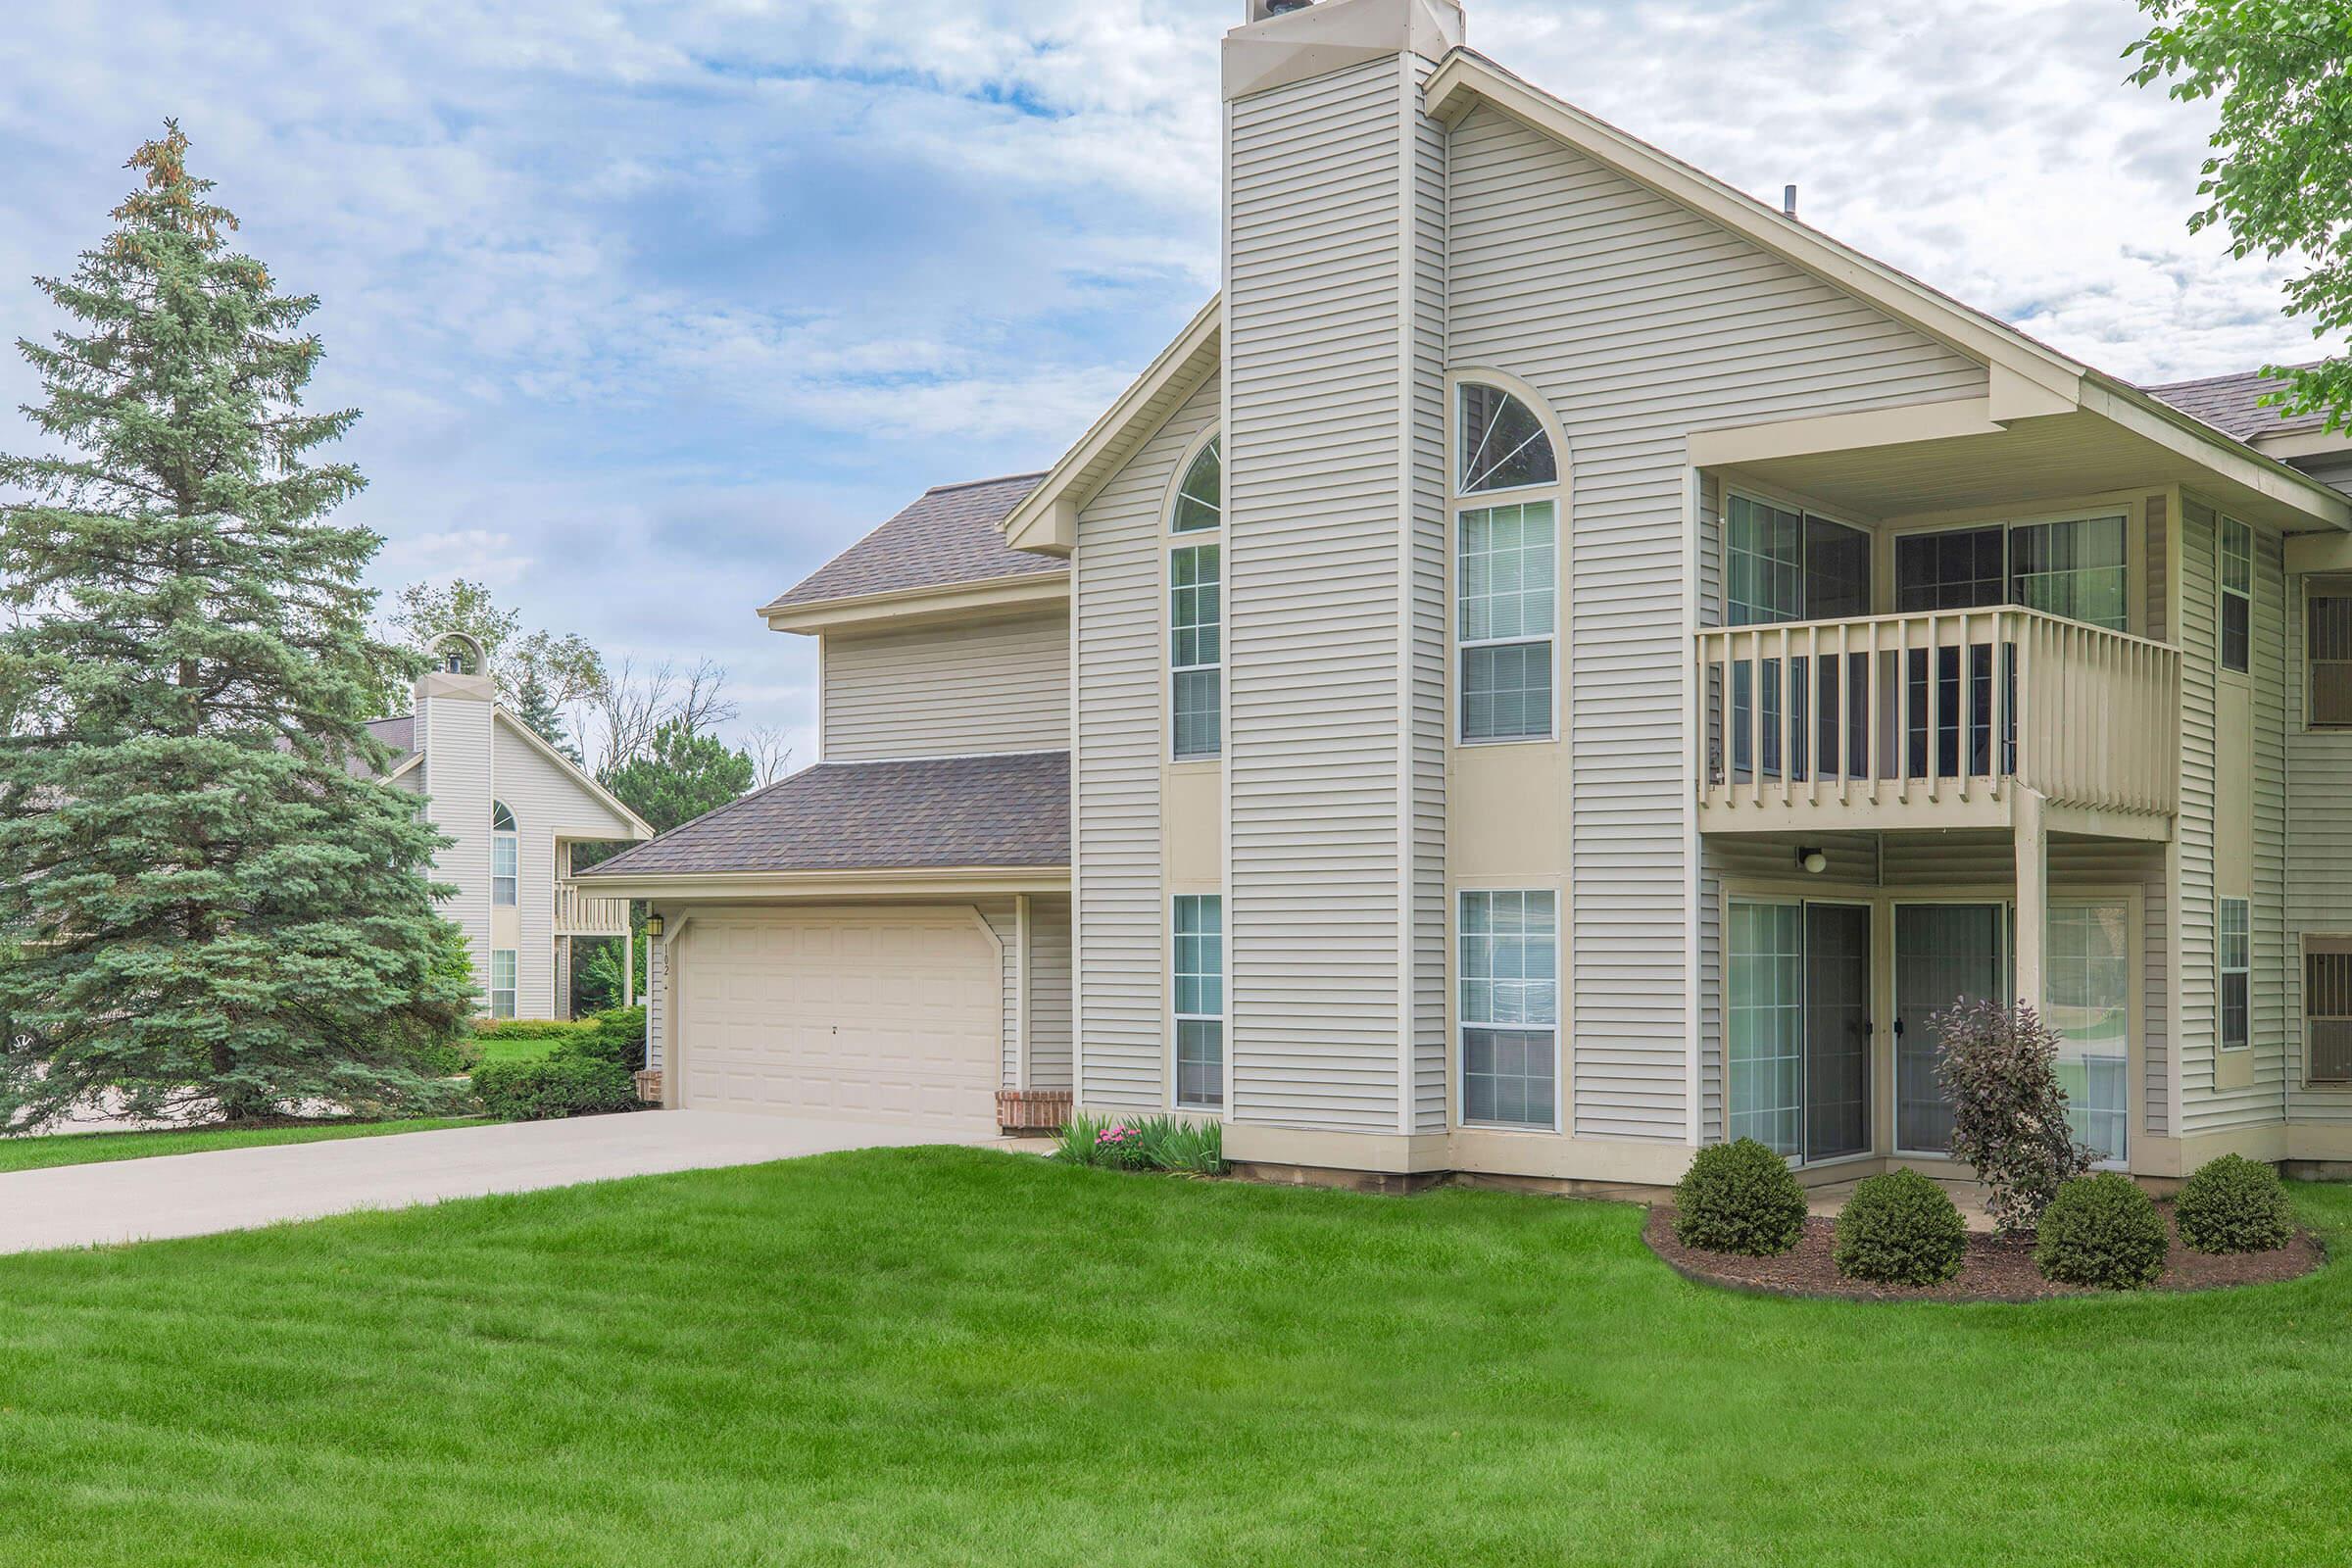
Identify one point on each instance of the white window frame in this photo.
(505, 842)
(2134, 943)
(2223, 522)
(1174, 540)
(1460, 501)
(1458, 969)
(1179, 1019)
(2319, 943)
(505, 1008)
(2224, 968)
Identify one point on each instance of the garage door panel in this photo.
(892, 1017)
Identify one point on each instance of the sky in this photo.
(651, 308)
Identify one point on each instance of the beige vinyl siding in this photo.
(1430, 620)
(1116, 587)
(1316, 360)
(1049, 992)
(2206, 1107)
(2318, 863)
(2194, 826)
(658, 1007)
(1004, 920)
(949, 691)
(1640, 321)
(547, 803)
(2335, 468)
(2156, 1012)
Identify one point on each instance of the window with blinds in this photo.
(2328, 1010)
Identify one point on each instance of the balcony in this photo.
(1937, 719)
(585, 914)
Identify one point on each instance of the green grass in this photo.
(946, 1357)
(90, 1148)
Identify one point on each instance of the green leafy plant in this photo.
(2101, 1230)
(533, 1028)
(2235, 1204)
(1142, 1143)
(1998, 1067)
(552, 1089)
(1740, 1198)
(2279, 179)
(1900, 1227)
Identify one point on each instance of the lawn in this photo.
(519, 1047)
(955, 1357)
(90, 1149)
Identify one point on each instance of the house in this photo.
(1558, 664)
(514, 807)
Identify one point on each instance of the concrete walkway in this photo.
(236, 1189)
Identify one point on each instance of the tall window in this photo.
(1196, 611)
(502, 855)
(1196, 649)
(502, 982)
(2238, 594)
(1510, 1009)
(1199, 974)
(1506, 567)
(2089, 1005)
(1781, 564)
(2235, 954)
(2328, 649)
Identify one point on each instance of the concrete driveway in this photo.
(235, 1188)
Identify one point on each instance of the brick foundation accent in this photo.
(1032, 1110)
(649, 1085)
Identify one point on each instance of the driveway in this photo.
(235, 1188)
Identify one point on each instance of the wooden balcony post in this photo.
(2033, 898)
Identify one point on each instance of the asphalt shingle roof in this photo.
(1010, 810)
(2227, 403)
(949, 535)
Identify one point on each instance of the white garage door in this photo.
(887, 1016)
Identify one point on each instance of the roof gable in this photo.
(593, 796)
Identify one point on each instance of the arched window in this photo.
(1502, 443)
(1197, 610)
(1200, 498)
(1506, 567)
(502, 855)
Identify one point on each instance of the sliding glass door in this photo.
(1945, 955)
(1798, 1042)
(2091, 1009)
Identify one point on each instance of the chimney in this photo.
(1787, 201)
(1283, 41)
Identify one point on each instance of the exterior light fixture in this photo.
(652, 925)
(1812, 859)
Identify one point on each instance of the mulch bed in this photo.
(1996, 1268)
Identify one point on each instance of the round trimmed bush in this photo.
(2101, 1230)
(1739, 1197)
(2234, 1205)
(1900, 1229)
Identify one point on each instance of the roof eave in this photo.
(964, 881)
(934, 602)
(1047, 519)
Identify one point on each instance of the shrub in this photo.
(1900, 1229)
(616, 1035)
(2234, 1205)
(1740, 1198)
(531, 1028)
(1999, 1069)
(1142, 1143)
(548, 1091)
(2101, 1230)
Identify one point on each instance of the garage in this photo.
(890, 1015)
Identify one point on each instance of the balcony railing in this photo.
(580, 913)
(1928, 719)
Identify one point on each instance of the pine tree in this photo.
(213, 909)
(538, 710)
